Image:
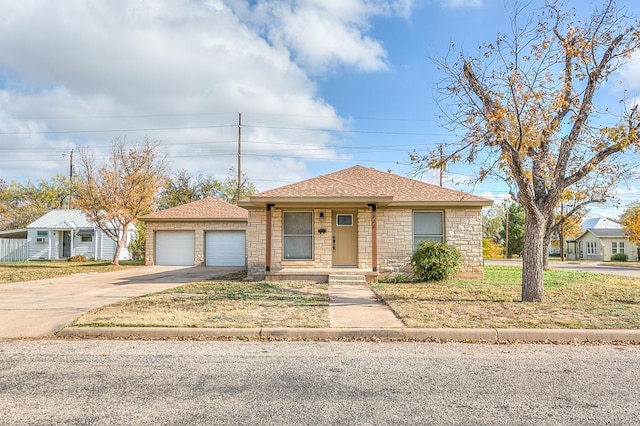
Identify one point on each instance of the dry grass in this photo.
(38, 270)
(221, 304)
(572, 300)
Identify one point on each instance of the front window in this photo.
(298, 235)
(591, 248)
(617, 247)
(427, 226)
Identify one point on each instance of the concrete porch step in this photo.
(344, 279)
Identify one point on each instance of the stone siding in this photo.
(200, 228)
(463, 230)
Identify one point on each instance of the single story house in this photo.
(208, 231)
(359, 219)
(61, 234)
(601, 238)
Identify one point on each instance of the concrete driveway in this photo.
(41, 308)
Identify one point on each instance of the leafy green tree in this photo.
(22, 203)
(516, 230)
(183, 188)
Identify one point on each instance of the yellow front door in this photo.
(345, 238)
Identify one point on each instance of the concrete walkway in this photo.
(356, 306)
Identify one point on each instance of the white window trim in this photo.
(413, 223)
(341, 214)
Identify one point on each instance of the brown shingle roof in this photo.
(206, 209)
(363, 182)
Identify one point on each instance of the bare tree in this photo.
(117, 192)
(528, 109)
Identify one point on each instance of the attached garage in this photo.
(225, 248)
(175, 248)
(207, 232)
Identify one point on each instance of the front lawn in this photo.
(38, 270)
(220, 304)
(572, 300)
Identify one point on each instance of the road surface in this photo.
(297, 383)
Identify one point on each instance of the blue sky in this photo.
(321, 84)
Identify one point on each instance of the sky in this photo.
(320, 85)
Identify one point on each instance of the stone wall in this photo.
(200, 228)
(463, 230)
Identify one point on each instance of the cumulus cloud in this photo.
(77, 73)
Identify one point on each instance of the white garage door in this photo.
(174, 248)
(225, 248)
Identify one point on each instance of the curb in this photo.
(488, 335)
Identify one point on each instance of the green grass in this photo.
(572, 300)
(38, 270)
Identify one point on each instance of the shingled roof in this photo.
(207, 209)
(364, 184)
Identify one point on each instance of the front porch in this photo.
(320, 275)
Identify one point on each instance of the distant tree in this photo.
(516, 230)
(529, 114)
(630, 219)
(115, 193)
(22, 203)
(183, 188)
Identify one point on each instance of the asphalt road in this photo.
(297, 383)
(584, 266)
(40, 308)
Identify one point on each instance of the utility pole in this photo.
(70, 179)
(506, 236)
(441, 163)
(239, 155)
(562, 232)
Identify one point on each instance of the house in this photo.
(359, 219)
(208, 231)
(61, 234)
(600, 239)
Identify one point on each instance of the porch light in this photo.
(321, 216)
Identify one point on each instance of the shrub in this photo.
(435, 261)
(619, 257)
(491, 249)
(78, 258)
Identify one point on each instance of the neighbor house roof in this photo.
(600, 222)
(207, 209)
(362, 184)
(62, 219)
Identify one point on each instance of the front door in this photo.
(345, 239)
(66, 244)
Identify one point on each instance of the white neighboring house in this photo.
(61, 234)
(600, 239)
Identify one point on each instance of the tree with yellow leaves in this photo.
(630, 219)
(527, 108)
(117, 192)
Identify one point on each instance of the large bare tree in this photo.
(527, 107)
(116, 192)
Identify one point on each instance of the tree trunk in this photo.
(116, 254)
(533, 257)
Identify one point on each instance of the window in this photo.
(591, 247)
(427, 226)
(344, 220)
(41, 236)
(617, 247)
(86, 235)
(298, 235)
(86, 238)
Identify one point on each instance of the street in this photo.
(632, 270)
(204, 382)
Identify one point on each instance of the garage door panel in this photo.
(225, 248)
(175, 248)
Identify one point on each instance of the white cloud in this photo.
(453, 4)
(180, 65)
